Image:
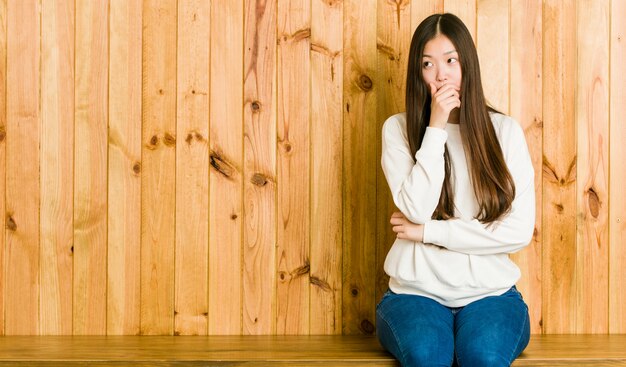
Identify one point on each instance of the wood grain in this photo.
(57, 167)
(223, 160)
(293, 180)
(359, 160)
(90, 168)
(23, 129)
(420, 9)
(192, 165)
(543, 350)
(158, 171)
(526, 107)
(464, 9)
(3, 156)
(559, 168)
(124, 210)
(592, 120)
(492, 23)
(226, 171)
(393, 44)
(260, 190)
(326, 164)
(617, 199)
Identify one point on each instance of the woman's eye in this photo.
(427, 64)
(452, 60)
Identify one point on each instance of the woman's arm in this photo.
(415, 186)
(511, 233)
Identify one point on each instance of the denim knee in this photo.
(422, 357)
(480, 358)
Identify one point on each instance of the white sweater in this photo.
(461, 260)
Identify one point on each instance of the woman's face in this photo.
(440, 63)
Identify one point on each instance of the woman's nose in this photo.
(441, 76)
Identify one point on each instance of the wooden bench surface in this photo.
(544, 350)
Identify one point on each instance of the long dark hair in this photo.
(492, 182)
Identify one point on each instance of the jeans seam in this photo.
(511, 357)
(395, 337)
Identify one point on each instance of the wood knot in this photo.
(594, 202)
(301, 270)
(11, 225)
(233, 216)
(169, 140)
(259, 179)
(281, 275)
(154, 142)
(354, 292)
(288, 147)
(194, 135)
(161, 92)
(221, 165)
(321, 284)
(365, 83)
(367, 327)
(3, 133)
(559, 207)
(256, 106)
(137, 168)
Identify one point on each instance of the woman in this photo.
(462, 179)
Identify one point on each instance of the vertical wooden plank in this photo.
(124, 206)
(158, 173)
(492, 42)
(559, 167)
(525, 107)
(293, 93)
(57, 167)
(226, 160)
(326, 161)
(359, 236)
(90, 179)
(192, 175)
(421, 9)
(464, 9)
(592, 119)
(3, 156)
(259, 283)
(394, 41)
(22, 167)
(617, 136)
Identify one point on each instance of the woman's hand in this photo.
(406, 229)
(443, 101)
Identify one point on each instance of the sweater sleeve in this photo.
(415, 185)
(507, 235)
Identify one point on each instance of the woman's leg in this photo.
(418, 331)
(492, 331)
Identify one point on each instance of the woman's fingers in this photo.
(396, 221)
(443, 101)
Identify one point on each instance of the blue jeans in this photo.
(419, 331)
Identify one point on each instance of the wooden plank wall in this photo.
(183, 167)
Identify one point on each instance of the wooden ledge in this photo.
(544, 350)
